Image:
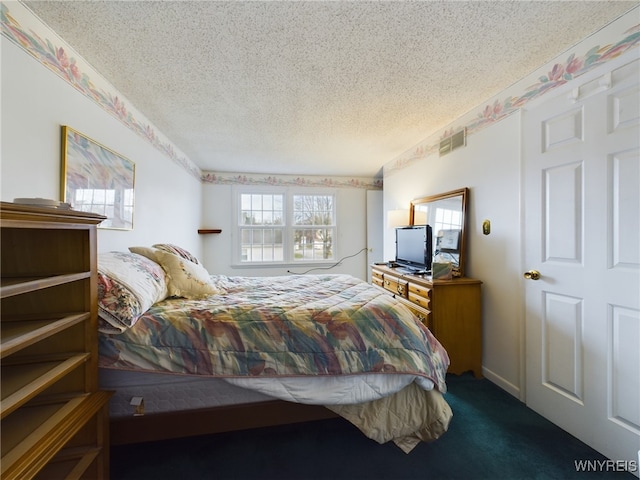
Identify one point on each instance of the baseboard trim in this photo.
(502, 383)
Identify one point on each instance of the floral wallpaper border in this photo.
(559, 74)
(54, 54)
(292, 180)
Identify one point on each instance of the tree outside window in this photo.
(314, 225)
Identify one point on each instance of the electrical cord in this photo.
(339, 262)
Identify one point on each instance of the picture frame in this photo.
(96, 179)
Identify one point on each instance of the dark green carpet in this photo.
(492, 436)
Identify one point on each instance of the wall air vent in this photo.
(450, 143)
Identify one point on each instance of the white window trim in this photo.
(288, 193)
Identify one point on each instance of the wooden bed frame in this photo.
(163, 426)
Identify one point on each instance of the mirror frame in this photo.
(464, 193)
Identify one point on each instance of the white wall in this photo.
(352, 234)
(36, 103)
(490, 167)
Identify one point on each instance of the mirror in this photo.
(446, 213)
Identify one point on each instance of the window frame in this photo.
(288, 193)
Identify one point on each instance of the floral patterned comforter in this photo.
(309, 325)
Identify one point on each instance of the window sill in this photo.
(241, 266)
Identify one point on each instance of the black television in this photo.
(414, 248)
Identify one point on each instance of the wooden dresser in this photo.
(451, 309)
(53, 418)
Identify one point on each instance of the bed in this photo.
(255, 351)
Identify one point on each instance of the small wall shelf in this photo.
(204, 231)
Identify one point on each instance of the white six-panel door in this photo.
(582, 234)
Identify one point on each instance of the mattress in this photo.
(163, 393)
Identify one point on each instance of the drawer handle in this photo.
(387, 282)
(400, 289)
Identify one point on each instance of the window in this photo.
(313, 227)
(116, 204)
(448, 227)
(286, 226)
(447, 219)
(261, 227)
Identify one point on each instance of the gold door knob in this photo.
(532, 275)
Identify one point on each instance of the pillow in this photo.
(185, 278)
(128, 284)
(181, 252)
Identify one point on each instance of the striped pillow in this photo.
(176, 250)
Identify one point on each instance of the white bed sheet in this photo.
(332, 390)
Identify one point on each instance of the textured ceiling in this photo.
(322, 87)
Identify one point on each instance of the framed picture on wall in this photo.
(97, 179)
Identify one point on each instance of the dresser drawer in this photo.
(422, 313)
(420, 295)
(396, 285)
(377, 278)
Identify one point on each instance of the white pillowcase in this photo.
(185, 278)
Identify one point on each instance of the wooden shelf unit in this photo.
(451, 309)
(53, 418)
